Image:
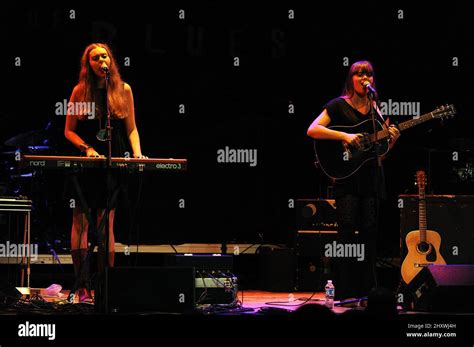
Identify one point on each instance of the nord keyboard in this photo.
(71, 162)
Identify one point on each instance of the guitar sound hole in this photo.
(423, 247)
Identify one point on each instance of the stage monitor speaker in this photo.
(147, 289)
(313, 268)
(276, 269)
(451, 216)
(443, 288)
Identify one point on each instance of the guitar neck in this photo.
(415, 121)
(383, 134)
(422, 214)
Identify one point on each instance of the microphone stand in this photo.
(109, 169)
(371, 95)
(103, 251)
(378, 171)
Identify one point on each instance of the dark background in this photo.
(282, 61)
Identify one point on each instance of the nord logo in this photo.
(38, 163)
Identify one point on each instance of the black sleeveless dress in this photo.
(93, 182)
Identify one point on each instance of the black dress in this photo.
(357, 210)
(93, 182)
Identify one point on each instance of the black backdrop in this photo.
(283, 61)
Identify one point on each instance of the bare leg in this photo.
(80, 225)
(79, 247)
(100, 215)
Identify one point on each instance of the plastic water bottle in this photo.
(329, 288)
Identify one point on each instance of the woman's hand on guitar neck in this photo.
(394, 133)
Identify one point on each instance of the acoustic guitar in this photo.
(423, 245)
(339, 161)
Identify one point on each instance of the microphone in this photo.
(105, 68)
(369, 88)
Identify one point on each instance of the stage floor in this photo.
(252, 301)
(263, 317)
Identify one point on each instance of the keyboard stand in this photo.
(21, 204)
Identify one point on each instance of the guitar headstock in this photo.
(445, 111)
(420, 179)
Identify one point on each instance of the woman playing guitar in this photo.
(357, 196)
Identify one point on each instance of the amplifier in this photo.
(316, 214)
(221, 288)
(215, 282)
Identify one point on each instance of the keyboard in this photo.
(72, 162)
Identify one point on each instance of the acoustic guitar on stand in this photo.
(423, 245)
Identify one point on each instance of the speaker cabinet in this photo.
(317, 226)
(443, 288)
(452, 216)
(313, 267)
(276, 269)
(146, 289)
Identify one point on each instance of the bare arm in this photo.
(70, 130)
(318, 130)
(130, 124)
